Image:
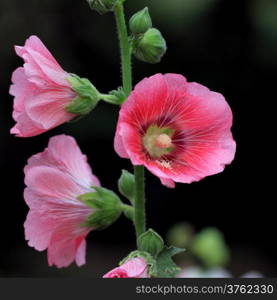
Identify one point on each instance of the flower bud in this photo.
(147, 258)
(140, 22)
(87, 96)
(126, 185)
(135, 267)
(102, 6)
(106, 206)
(150, 47)
(150, 242)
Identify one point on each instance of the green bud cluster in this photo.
(148, 44)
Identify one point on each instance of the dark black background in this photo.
(229, 46)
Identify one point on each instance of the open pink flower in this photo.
(179, 130)
(132, 268)
(40, 89)
(54, 179)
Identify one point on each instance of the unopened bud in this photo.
(150, 47)
(150, 242)
(140, 22)
(126, 185)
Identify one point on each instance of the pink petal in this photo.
(131, 142)
(118, 144)
(116, 273)
(25, 127)
(167, 182)
(135, 268)
(40, 62)
(20, 88)
(38, 230)
(48, 108)
(33, 42)
(145, 102)
(52, 182)
(176, 84)
(68, 157)
(64, 246)
(51, 70)
(81, 254)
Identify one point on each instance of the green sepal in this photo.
(87, 96)
(140, 22)
(151, 262)
(166, 267)
(150, 46)
(126, 185)
(119, 95)
(151, 242)
(102, 6)
(106, 206)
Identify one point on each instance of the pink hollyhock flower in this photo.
(179, 130)
(132, 268)
(41, 91)
(54, 179)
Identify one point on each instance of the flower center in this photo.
(158, 141)
(163, 141)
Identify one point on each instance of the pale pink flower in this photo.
(178, 130)
(54, 179)
(41, 91)
(132, 268)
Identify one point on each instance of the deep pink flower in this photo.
(54, 179)
(179, 130)
(40, 89)
(132, 268)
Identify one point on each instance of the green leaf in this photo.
(166, 267)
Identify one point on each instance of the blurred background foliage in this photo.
(229, 46)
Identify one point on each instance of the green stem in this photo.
(125, 50)
(139, 215)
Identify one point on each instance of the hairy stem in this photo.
(125, 51)
(139, 214)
